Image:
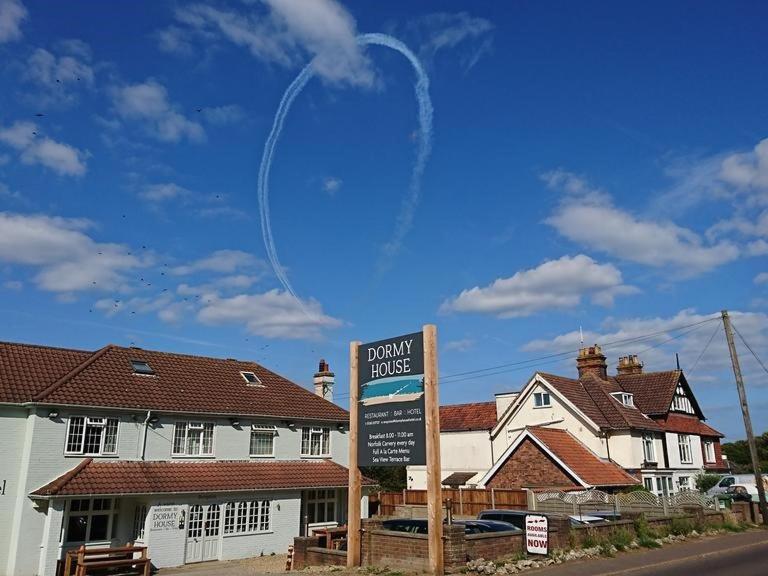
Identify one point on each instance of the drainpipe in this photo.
(144, 433)
(490, 437)
(607, 444)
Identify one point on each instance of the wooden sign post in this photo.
(394, 420)
(355, 480)
(434, 489)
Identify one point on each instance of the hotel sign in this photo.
(165, 518)
(391, 416)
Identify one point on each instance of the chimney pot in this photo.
(591, 360)
(629, 365)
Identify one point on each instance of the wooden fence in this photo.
(466, 502)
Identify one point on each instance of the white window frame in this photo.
(265, 430)
(684, 448)
(257, 382)
(626, 398)
(648, 483)
(321, 497)
(683, 485)
(247, 517)
(112, 513)
(710, 456)
(193, 425)
(322, 431)
(538, 400)
(139, 521)
(102, 422)
(649, 447)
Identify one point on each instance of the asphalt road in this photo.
(745, 554)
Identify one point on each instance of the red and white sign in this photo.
(536, 534)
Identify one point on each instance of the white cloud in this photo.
(289, 33)
(749, 171)
(462, 345)
(221, 261)
(553, 285)
(14, 285)
(331, 185)
(761, 278)
(148, 102)
(273, 314)
(65, 257)
(48, 70)
(36, 149)
(163, 192)
(657, 352)
(223, 115)
(588, 217)
(174, 40)
(445, 31)
(12, 14)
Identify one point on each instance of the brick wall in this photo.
(529, 466)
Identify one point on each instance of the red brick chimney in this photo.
(591, 360)
(629, 365)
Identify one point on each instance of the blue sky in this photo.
(600, 166)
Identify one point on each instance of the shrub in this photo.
(621, 539)
(648, 542)
(644, 530)
(589, 541)
(680, 526)
(706, 481)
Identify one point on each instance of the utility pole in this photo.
(745, 414)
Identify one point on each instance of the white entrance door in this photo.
(203, 533)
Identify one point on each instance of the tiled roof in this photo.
(581, 460)
(687, 425)
(92, 477)
(653, 391)
(464, 417)
(593, 397)
(26, 369)
(181, 383)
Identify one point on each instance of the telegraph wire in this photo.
(704, 351)
(556, 357)
(762, 365)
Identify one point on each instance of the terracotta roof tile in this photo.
(593, 397)
(181, 383)
(581, 460)
(687, 425)
(464, 417)
(26, 369)
(138, 477)
(653, 391)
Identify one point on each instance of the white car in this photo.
(732, 479)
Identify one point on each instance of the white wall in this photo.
(12, 429)
(674, 452)
(557, 416)
(459, 452)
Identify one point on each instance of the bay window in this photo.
(649, 452)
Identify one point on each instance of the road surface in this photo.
(744, 554)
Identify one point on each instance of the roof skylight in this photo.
(141, 367)
(251, 378)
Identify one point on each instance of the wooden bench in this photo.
(87, 561)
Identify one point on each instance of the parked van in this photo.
(731, 479)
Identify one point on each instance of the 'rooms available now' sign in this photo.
(536, 534)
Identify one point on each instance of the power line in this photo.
(749, 348)
(556, 357)
(704, 351)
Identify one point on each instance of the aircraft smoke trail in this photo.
(408, 208)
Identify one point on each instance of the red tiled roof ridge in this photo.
(72, 373)
(43, 346)
(468, 416)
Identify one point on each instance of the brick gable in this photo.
(530, 467)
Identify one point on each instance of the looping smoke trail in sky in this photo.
(408, 208)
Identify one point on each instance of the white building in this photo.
(197, 458)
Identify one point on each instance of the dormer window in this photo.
(681, 403)
(141, 367)
(541, 400)
(251, 379)
(625, 398)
